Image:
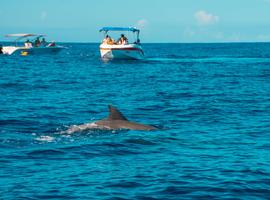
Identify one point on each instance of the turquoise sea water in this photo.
(211, 101)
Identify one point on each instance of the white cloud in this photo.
(203, 18)
(142, 23)
(43, 15)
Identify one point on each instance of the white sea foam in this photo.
(45, 138)
(79, 128)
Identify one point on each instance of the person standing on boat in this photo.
(1, 49)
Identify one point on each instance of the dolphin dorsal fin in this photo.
(115, 114)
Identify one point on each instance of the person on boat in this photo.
(28, 43)
(122, 40)
(43, 42)
(37, 42)
(108, 40)
(1, 49)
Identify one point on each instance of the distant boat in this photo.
(121, 49)
(33, 46)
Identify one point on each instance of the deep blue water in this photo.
(211, 101)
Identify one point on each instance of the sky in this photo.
(160, 21)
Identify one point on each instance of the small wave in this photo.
(15, 85)
(53, 196)
(45, 152)
(175, 190)
(126, 184)
(139, 141)
(45, 138)
(16, 122)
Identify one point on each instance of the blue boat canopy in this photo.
(106, 29)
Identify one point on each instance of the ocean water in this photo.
(210, 101)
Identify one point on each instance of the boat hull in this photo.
(13, 50)
(130, 51)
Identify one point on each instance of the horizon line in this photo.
(221, 42)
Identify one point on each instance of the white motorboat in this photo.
(29, 47)
(110, 49)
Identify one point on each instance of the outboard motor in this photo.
(1, 49)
